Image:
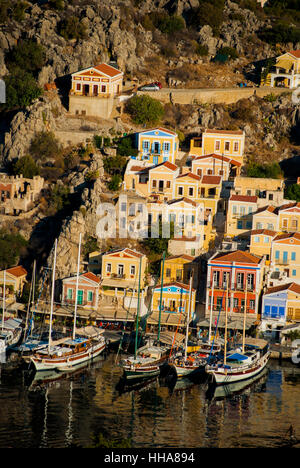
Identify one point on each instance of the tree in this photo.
(126, 148)
(72, 28)
(44, 146)
(292, 192)
(11, 247)
(270, 171)
(21, 90)
(26, 55)
(26, 166)
(145, 110)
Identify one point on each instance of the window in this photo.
(154, 183)
(103, 89)
(236, 146)
(166, 147)
(250, 209)
(70, 293)
(240, 224)
(266, 240)
(132, 269)
(235, 302)
(120, 270)
(168, 184)
(284, 223)
(123, 207)
(108, 268)
(252, 304)
(90, 296)
(249, 224)
(270, 226)
(271, 196)
(78, 87)
(250, 281)
(80, 296)
(146, 146)
(227, 145)
(294, 272)
(234, 209)
(199, 172)
(168, 272)
(293, 256)
(240, 280)
(217, 145)
(180, 190)
(258, 225)
(277, 253)
(256, 239)
(191, 192)
(216, 278)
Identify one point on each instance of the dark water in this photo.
(72, 410)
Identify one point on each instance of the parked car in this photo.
(158, 83)
(150, 87)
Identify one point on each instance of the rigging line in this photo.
(208, 360)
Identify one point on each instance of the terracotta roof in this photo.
(225, 132)
(107, 70)
(291, 286)
(91, 276)
(189, 174)
(269, 208)
(289, 205)
(169, 165)
(185, 256)
(218, 156)
(17, 271)
(125, 250)
(211, 179)
(295, 53)
(243, 198)
(237, 256)
(266, 232)
(287, 235)
(139, 168)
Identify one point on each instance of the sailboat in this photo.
(147, 360)
(11, 329)
(68, 353)
(192, 363)
(242, 363)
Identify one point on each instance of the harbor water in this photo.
(53, 411)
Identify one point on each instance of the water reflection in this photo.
(63, 410)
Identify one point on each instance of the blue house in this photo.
(157, 145)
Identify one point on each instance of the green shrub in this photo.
(11, 247)
(114, 183)
(280, 33)
(21, 90)
(72, 28)
(145, 110)
(27, 55)
(292, 192)
(167, 24)
(125, 147)
(270, 171)
(44, 146)
(208, 12)
(26, 166)
(230, 52)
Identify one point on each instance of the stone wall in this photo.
(210, 96)
(91, 106)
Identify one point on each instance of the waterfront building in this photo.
(285, 73)
(242, 273)
(157, 145)
(280, 305)
(15, 279)
(229, 143)
(87, 292)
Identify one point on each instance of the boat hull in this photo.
(65, 364)
(141, 372)
(223, 376)
(188, 371)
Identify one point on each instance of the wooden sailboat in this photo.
(241, 363)
(188, 364)
(69, 353)
(147, 360)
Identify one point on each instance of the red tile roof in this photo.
(237, 256)
(185, 256)
(91, 276)
(17, 271)
(287, 235)
(175, 283)
(296, 53)
(266, 232)
(291, 286)
(107, 70)
(189, 174)
(211, 179)
(186, 200)
(243, 198)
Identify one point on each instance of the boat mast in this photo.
(52, 295)
(245, 312)
(76, 293)
(137, 311)
(161, 293)
(211, 308)
(3, 296)
(188, 318)
(226, 311)
(31, 297)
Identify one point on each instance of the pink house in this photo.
(88, 290)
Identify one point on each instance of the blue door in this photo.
(155, 160)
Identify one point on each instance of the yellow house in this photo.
(179, 268)
(174, 298)
(187, 185)
(229, 143)
(285, 72)
(266, 218)
(158, 145)
(267, 191)
(289, 217)
(14, 278)
(101, 80)
(120, 271)
(161, 181)
(285, 256)
(216, 164)
(239, 214)
(261, 243)
(280, 305)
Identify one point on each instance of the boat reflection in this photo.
(126, 386)
(220, 392)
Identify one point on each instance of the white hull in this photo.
(67, 363)
(224, 376)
